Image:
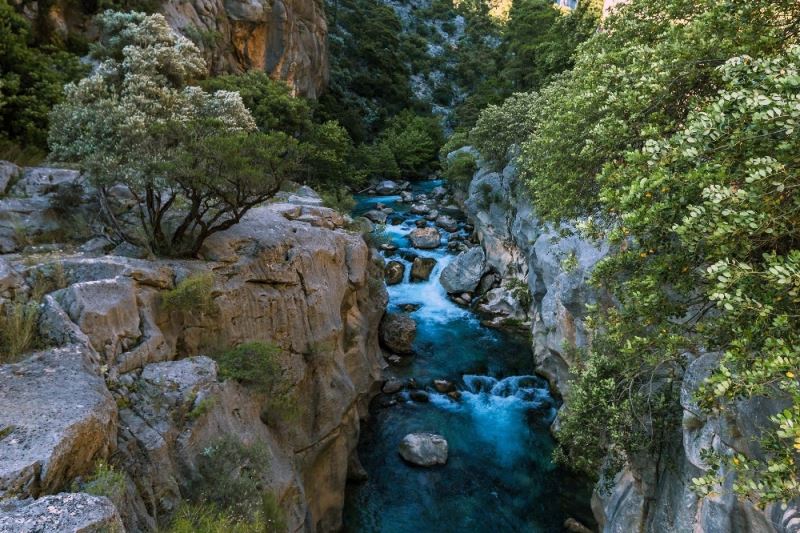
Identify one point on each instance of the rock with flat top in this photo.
(425, 238)
(465, 272)
(60, 513)
(424, 449)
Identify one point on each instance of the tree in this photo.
(31, 80)
(194, 161)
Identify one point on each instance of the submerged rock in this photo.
(376, 216)
(398, 332)
(465, 272)
(425, 238)
(393, 273)
(424, 449)
(420, 209)
(421, 268)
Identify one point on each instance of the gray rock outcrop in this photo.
(128, 378)
(464, 273)
(63, 513)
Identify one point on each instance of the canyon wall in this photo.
(130, 381)
(286, 38)
(656, 495)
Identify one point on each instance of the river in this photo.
(499, 476)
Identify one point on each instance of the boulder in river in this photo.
(424, 449)
(398, 331)
(409, 308)
(376, 216)
(426, 238)
(446, 222)
(443, 386)
(432, 216)
(420, 209)
(421, 268)
(439, 192)
(393, 272)
(421, 223)
(387, 187)
(419, 396)
(465, 272)
(406, 197)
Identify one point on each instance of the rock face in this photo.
(424, 449)
(288, 39)
(66, 512)
(128, 378)
(56, 417)
(643, 497)
(398, 332)
(465, 272)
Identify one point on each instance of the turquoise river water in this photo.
(499, 476)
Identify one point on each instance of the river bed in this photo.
(499, 476)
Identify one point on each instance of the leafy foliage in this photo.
(193, 160)
(677, 142)
(257, 365)
(31, 81)
(192, 294)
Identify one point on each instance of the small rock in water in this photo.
(421, 268)
(447, 223)
(411, 383)
(424, 449)
(396, 221)
(394, 360)
(393, 272)
(378, 217)
(432, 216)
(388, 247)
(454, 395)
(419, 396)
(409, 308)
(388, 210)
(421, 223)
(442, 385)
(420, 209)
(391, 386)
(387, 187)
(467, 297)
(406, 197)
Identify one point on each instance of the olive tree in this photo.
(193, 160)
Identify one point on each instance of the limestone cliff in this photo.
(286, 38)
(654, 495)
(130, 381)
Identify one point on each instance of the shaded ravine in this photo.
(499, 476)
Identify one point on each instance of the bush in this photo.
(256, 365)
(31, 82)
(19, 333)
(105, 481)
(459, 169)
(231, 475)
(206, 518)
(414, 141)
(192, 294)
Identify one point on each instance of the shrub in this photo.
(460, 169)
(18, 329)
(207, 518)
(257, 365)
(105, 481)
(231, 476)
(192, 294)
(31, 81)
(414, 141)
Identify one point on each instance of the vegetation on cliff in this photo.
(674, 136)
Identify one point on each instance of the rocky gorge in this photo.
(653, 494)
(127, 381)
